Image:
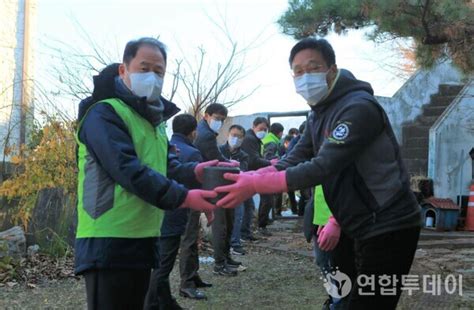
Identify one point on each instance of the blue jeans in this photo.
(249, 209)
(238, 215)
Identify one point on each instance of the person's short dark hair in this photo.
(293, 131)
(319, 45)
(287, 138)
(132, 47)
(216, 108)
(184, 124)
(302, 127)
(276, 128)
(238, 127)
(260, 120)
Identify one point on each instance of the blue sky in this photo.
(185, 25)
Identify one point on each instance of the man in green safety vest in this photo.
(127, 177)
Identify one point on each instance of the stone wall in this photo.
(451, 138)
(407, 103)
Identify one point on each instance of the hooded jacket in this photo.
(349, 147)
(108, 141)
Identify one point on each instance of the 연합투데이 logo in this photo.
(337, 284)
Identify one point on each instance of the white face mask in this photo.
(261, 134)
(215, 125)
(312, 87)
(234, 142)
(146, 84)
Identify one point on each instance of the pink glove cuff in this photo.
(271, 182)
(333, 221)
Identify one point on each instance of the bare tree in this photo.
(206, 81)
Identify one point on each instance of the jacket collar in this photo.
(226, 147)
(344, 83)
(182, 138)
(252, 133)
(204, 125)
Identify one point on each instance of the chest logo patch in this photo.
(340, 132)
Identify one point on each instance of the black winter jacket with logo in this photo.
(349, 147)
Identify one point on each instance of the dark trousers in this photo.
(388, 254)
(293, 202)
(116, 288)
(221, 234)
(266, 203)
(277, 203)
(189, 256)
(159, 292)
(341, 258)
(305, 196)
(249, 209)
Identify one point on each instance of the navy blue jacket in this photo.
(292, 144)
(107, 139)
(174, 223)
(206, 142)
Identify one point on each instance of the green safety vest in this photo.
(270, 138)
(321, 210)
(106, 209)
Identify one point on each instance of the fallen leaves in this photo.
(36, 269)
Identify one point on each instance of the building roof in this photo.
(440, 203)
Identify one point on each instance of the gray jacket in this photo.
(349, 147)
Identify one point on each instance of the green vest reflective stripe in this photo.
(106, 209)
(321, 209)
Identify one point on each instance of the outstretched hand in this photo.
(248, 184)
(196, 200)
(238, 192)
(199, 170)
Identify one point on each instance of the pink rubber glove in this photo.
(231, 163)
(274, 161)
(196, 200)
(266, 169)
(247, 184)
(329, 235)
(199, 170)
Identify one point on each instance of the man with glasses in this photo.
(350, 149)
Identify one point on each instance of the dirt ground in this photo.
(281, 275)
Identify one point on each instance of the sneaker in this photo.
(238, 250)
(224, 270)
(264, 232)
(232, 263)
(239, 268)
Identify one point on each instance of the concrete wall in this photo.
(451, 139)
(12, 72)
(407, 103)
